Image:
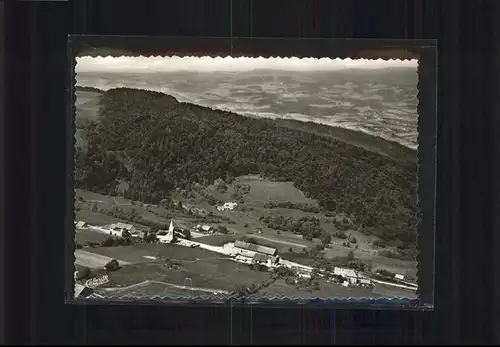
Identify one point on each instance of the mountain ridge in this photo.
(174, 145)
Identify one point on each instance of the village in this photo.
(264, 258)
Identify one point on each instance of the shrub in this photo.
(113, 265)
(249, 240)
(78, 245)
(352, 239)
(385, 273)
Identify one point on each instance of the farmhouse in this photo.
(205, 228)
(365, 282)
(228, 206)
(119, 228)
(263, 259)
(256, 248)
(140, 234)
(349, 274)
(399, 277)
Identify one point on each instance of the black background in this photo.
(468, 211)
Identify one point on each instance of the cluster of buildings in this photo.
(228, 206)
(352, 277)
(118, 229)
(250, 253)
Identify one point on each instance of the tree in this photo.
(350, 256)
(113, 265)
(150, 238)
(187, 234)
(353, 239)
(326, 238)
(222, 229)
(109, 242)
(180, 206)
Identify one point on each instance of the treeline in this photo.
(169, 145)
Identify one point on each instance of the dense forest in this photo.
(157, 144)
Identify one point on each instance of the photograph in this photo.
(245, 177)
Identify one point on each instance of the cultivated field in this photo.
(93, 260)
(82, 235)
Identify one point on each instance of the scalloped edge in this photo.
(396, 302)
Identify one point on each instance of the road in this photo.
(92, 260)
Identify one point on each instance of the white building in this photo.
(119, 228)
(166, 236)
(365, 282)
(399, 277)
(205, 228)
(264, 259)
(349, 274)
(228, 206)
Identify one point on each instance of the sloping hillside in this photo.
(168, 145)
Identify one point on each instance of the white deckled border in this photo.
(143, 64)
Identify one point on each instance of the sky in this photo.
(229, 64)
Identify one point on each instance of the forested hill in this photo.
(157, 144)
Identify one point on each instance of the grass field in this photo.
(262, 191)
(95, 218)
(326, 290)
(213, 273)
(153, 289)
(82, 235)
(136, 253)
